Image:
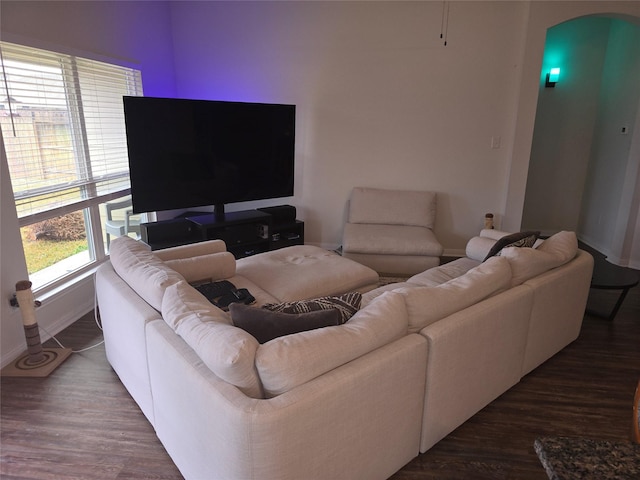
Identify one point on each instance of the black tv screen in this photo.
(192, 153)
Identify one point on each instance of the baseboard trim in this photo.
(56, 313)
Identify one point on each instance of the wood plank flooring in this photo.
(80, 422)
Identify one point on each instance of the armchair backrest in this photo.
(392, 207)
(117, 205)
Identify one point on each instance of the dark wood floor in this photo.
(80, 423)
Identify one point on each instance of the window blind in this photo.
(62, 121)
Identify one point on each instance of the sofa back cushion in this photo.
(426, 305)
(527, 263)
(143, 271)
(435, 276)
(286, 362)
(228, 351)
(392, 207)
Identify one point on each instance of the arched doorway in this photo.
(584, 130)
(624, 234)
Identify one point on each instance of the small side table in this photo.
(611, 277)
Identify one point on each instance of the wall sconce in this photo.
(552, 77)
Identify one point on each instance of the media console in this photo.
(245, 232)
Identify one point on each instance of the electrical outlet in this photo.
(495, 142)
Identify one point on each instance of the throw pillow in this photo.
(266, 325)
(518, 239)
(347, 304)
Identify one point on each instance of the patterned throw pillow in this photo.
(347, 304)
(518, 239)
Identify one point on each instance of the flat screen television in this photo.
(192, 153)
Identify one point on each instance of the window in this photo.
(62, 122)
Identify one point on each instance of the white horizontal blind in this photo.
(62, 121)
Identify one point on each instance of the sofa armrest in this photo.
(478, 247)
(191, 250)
(493, 233)
(210, 267)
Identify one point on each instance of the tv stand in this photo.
(245, 232)
(218, 212)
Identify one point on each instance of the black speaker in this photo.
(236, 234)
(281, 213)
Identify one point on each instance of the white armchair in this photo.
(122, 223)
(391, 231)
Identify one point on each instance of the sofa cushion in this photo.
(211, 267)
(228, 351)
(527, 263)
(443, 273)
(390, 240)
(563, 245)
(392, 207)
(265, 325)
(141, 269)
(427, 305)
(518, 239)
(305, 271)
(376, 292)
(286, 362)
(257, 292)
(346, 304)
(187, 298)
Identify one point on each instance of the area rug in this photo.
(569, 458)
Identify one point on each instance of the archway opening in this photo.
(584, 168)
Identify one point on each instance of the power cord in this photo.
(95, 316)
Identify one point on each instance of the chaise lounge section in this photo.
(354, 400)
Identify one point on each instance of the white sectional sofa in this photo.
(355, 400)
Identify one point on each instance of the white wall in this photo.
(582, 175)
(13, 264)
(565, 124)
(542, 16)
(382, 102)
(608, 206)
(132, 33)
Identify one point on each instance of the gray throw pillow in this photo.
(266, 325)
